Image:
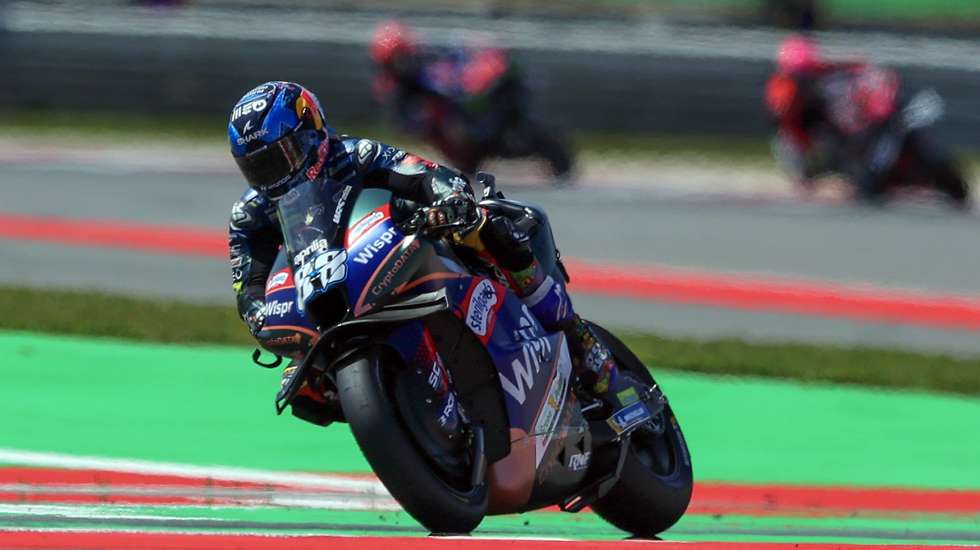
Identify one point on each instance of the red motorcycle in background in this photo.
(850, 119)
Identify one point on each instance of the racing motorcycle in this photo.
(906, 148)
(471, 125)
(461, 402)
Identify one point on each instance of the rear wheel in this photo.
(554, 150)
(655, 487)
(940, 168)
(438, 500)
(949, 181)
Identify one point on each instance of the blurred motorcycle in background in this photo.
(470, 103)
(850, 119)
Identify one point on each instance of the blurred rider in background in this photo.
(279, 139)
(833, 116)
(471, 103)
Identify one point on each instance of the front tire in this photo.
(395, 457)
(655, 487)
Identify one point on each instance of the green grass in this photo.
(918, 12)
(79, 127)
(202, 129)
(142, 319)
(95, 314)
(899, 11)
(212, 130)
(112, 125)
(854, 365)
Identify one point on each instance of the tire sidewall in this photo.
(395, 458)
(644, 503)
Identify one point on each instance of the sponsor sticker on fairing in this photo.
(385, 281)
(323, 270)
(364, 225)
(341, 203)
(278, 281)
(580, 461)
(534, 351)
(276, 308)
(369, 251)
(548, 418)
(292, 340)
(482, 300)
(316, 247)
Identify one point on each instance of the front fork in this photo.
(428, 402)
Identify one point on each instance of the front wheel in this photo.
(657, 479)
(439, 503)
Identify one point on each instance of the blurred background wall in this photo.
(635, 65)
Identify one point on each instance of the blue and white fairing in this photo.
(533, 365)
(333, 244)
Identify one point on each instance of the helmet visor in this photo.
(269, 169)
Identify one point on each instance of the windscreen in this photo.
(312, 216)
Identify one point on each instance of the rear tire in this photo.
(397, 460)
(657, 479)
(555, 151)
(940, 168)
(950, 182)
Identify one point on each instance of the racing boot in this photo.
(596, 367)
(623, 396)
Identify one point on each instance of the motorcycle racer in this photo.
(279, 139)
(469, 102)
(833, 114)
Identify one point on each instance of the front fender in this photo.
(342, 338)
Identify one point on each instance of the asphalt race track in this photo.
(909, 248)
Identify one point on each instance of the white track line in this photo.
(84, 512)
(225, 473)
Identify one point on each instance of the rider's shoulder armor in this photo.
(370, 155)
(252, 212)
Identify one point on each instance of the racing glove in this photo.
(453, 212)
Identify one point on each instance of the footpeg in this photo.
(638, 410)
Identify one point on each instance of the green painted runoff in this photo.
(209, 405)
